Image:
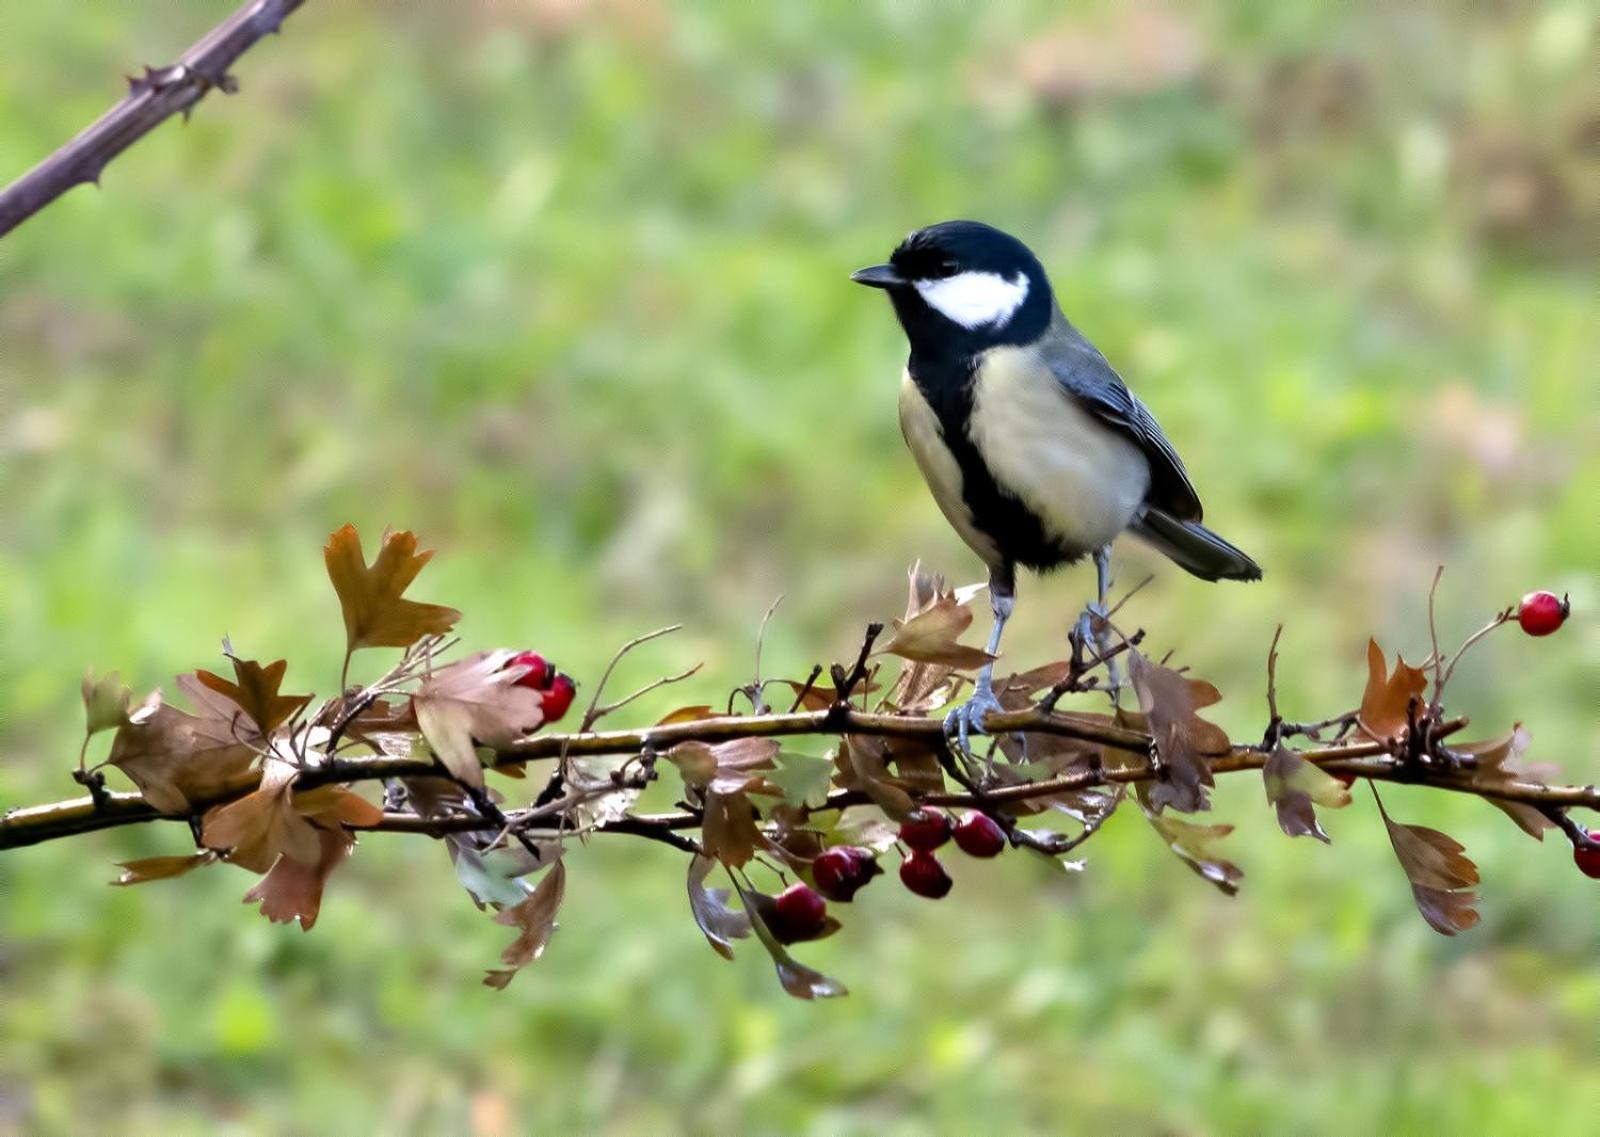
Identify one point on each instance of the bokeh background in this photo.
(563, 287)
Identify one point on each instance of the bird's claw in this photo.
(967, 719)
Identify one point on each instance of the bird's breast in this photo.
(1082, 479)
(941, 468)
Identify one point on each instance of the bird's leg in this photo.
(967, 719)
(1102, 615)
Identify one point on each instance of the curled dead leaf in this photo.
(1499, 761)
(720, 924)
(161, 868)
(1184, 741)
(535, 918)
(1197, 846)
(1295, 786)
(935, 619)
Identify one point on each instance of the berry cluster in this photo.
(800, 912)
(556, 688)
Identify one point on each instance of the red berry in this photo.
(977, 835)
(840, 872)
(539, 672)
(559, 697)
(1542, 613)
(925, 830)
(922, 873)
(798, 914)
(1588, 860)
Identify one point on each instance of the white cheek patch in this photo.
(974, 299)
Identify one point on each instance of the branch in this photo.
(153, 97)
(35, 824)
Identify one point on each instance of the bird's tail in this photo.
(1194, 548)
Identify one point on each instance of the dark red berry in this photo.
(923, 874)
(798, 914)
(840, 872)
(1542, 613)
(539, 672)
(1588, 860)
(925, 830)
(977, 835)
(559, 697)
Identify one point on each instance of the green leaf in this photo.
(105, 701)
(803, 779)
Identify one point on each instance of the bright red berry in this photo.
(539, 672)
(559, 697)
(977, 835)
(799, 913)
(1588, 860)
(840, 872)
(922, 873)
(925, 830)
(1542, 613)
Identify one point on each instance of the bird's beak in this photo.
(878, 276)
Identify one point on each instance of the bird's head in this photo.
(963, 286)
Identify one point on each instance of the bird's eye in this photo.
(945, 268)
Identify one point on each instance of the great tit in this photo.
(1034, 448)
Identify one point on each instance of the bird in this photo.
(1032, 445)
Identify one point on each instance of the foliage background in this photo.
(563, 287)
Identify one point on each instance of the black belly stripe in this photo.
(1018, 534)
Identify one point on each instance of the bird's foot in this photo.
(967, 719)
(1094, 627)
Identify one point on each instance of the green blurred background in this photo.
(563, 287)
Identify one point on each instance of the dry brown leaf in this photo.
(1197, 846)
(475, 701)
(536, 919)
(689, 714)
(161, 868)
(720, 923)
(1499, 762)
(1440, 873)
(863, 763)
(329, 807)
(176, 758)
(934, 621)
(1184, 741)
(375, 615)
(1384, 703)
(255, 830)
(1295, 786)
(256, 692)
(292, 890)
(727, 767)
(728, 828)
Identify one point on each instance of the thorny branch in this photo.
(152, 98)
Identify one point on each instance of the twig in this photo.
(593, 713)
(1577, 834)
(152, 98)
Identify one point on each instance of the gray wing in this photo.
(1084, 372)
